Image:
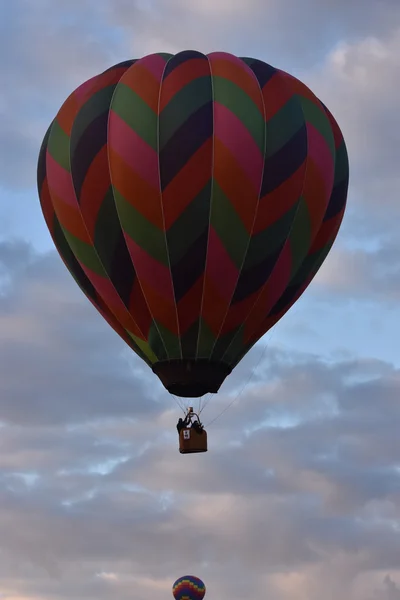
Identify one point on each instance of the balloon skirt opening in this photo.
(191, 378)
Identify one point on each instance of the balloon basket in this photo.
(191, 441)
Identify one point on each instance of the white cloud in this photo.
(360, 82)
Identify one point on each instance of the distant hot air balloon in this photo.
(193, 198)
(188, 588)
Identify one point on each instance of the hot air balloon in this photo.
(193, 198)
(188, 588)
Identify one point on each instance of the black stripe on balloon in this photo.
(223, 343)
(285, 300)
(308, 268)
(89, 145)
(73, 265)
(186, 272)
(285, 161)
(180, 58)
(122, 273)
(263, 71)
(41, 166)
(189, 340)
(254, 278)
(337, 200)
(124, 64)
(156, 343)
(110, 245)
(185, 142)
(187, 231)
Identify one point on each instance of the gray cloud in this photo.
(299, 490)
(46, 51)
(308, 29)
(41, 348)
(368, 276)
(360, 82)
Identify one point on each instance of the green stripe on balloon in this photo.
(267, 242)
(183, 104)
(189, 225)
(283, 126)
(85, 253)
(341, 164)
(228, 346)
(317, 117)
(300, 235)
(144, 347)
(228, 226)
(189, 340)
(239, 103)
(170, 340)
(146, 235)
(107, 231)
(156, 343)
(58, 146)
(136, 113)
(95, 106)
(206, 340)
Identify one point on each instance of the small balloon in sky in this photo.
(188, 587)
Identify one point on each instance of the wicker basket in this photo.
(191, 440)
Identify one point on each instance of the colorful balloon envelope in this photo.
(193, 198)
(188, 587)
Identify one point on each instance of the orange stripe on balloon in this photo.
(60, 182)
(143, 82)
(144, 197)
(235, 184)
(300, 88)
(230, 130)
(150, 270)
(276, 204)
(70, 220)
(233, 68)
(163, 311)
(181, 76)
(270, 293)
(135, 152)
(276, 93)
(220, 267)
(238, 312)
(327, 232)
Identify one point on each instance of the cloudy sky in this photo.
(299, 496)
